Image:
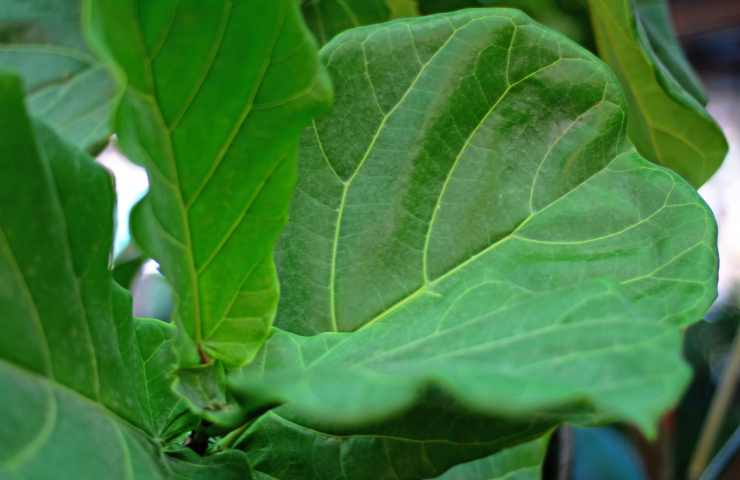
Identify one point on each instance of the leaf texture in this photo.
(216, 96)
(475, 253)
(67, 87)
(71, 381)
(667, 122)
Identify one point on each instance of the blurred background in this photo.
(709, 31)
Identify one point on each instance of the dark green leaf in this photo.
(566, 19)
(484, 254)
(73, 384)
(216, 96)
(127, 265)
(655, 18)
(326, 18)
(667, 122)
(66, 86)
(168, 415)
(523, 462)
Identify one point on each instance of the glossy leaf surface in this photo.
(473, 241)
(667, 121)
(71, 361)
(67, 87)
(216, 96)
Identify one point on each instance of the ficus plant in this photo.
(411, 253)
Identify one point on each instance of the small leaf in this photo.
(66, 86)
(168, 415)
(484, 256)
(667, 122)
(216, 96)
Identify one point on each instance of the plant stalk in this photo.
(717, 412)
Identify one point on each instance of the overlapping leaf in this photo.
(72, 386)
(67, 87)
(216, 96)
(667, 123)
(477, 253)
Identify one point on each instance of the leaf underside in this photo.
(476, 253)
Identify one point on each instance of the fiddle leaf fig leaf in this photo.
(475, 253)
(71, 356)
(667, 122)
(216, 95)
(66, 86)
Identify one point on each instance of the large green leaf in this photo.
(476, 250)
(326, 18)
(42, 41)
(667, 122)
(216, 96)
(72, 386)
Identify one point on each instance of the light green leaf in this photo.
(523, 462)
(667, 122)
(483, 250)
(326, 18)
(71, 373)
(67, 87)
(216, 96)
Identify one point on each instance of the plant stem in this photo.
(723, 458)
(717, 411)
(232, 437)
(565, 442)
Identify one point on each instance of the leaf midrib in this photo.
(201, 336)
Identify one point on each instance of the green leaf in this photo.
(483, 250)
(216, 96)
(523, 462)
(66, 86)
(71, 381)
(655, 17)
(439, 6)
(570, 20)
(667, 122)
(326, 18)
(168, 414)
(272, 450)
